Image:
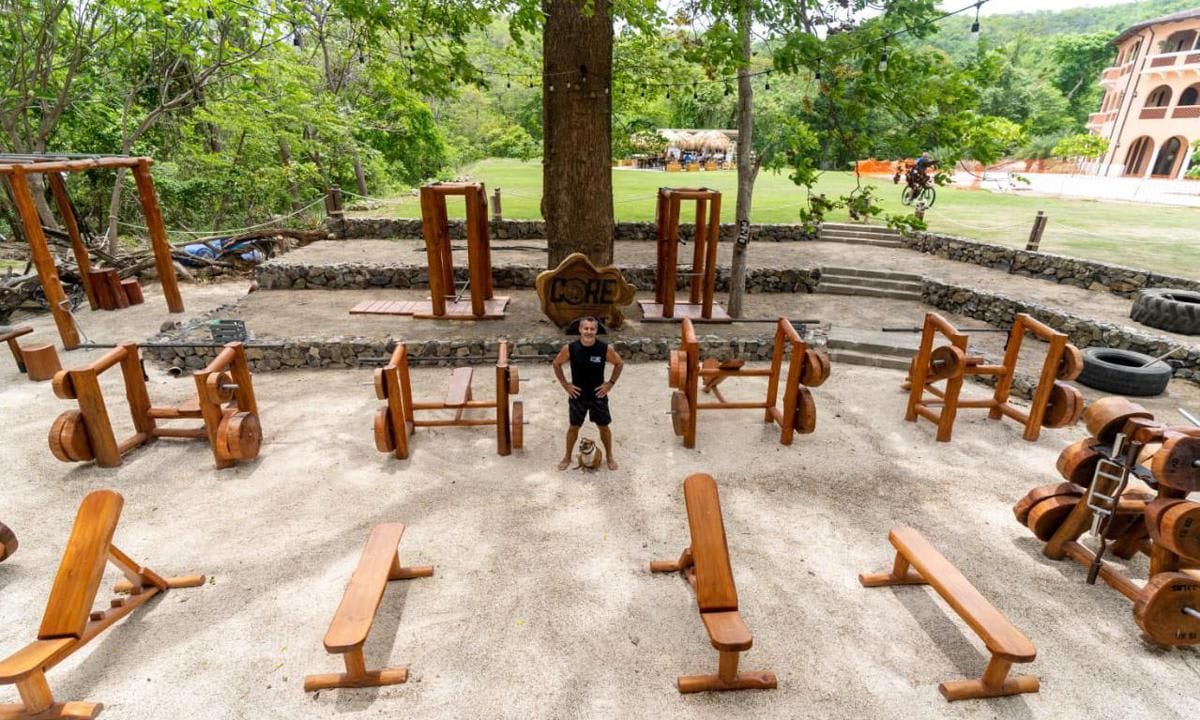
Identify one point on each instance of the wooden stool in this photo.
(8, 542)
(69, 622)
(380, 562)
(10, 335)
(41, 362)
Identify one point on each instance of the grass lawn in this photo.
(1155, 237)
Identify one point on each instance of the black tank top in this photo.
(587, 366)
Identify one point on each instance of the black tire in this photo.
(906, 197)
(928, 196)
(1121, 372)
(1168, 309)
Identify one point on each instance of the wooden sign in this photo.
(577, 288)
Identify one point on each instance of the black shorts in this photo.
(596, 408)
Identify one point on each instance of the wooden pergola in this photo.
(16, 171)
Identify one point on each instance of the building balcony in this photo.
(1173, 64)
(1186, 111)
(1100, 118)
(1152, 113)
(1111, 75)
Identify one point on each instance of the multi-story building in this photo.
(1151, 108)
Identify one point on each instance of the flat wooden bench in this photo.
(9, 334)
(705, 563)
(69, 622)
(460, 387)
(1003, 640)
(380, 562)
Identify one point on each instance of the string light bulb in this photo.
(883, 58)
(975, 25)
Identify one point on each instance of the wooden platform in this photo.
(653, 312)
(386, 307)
(423, 309)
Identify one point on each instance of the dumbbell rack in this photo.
(806, 368)
(1162, 524)
(1055, 404)
(224, 402)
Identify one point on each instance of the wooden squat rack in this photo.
(700, 306)
(379, 564)
(1127, 447)
(483, 304)
(396, 421)
(1055, 404)
(806, 368)
(69, 622)
(1003, 640)
(705, 564)
(17, 175)
(224, 402)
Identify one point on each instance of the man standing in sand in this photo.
(587, 389)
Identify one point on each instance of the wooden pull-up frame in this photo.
(483, 304)
(224, 402)
(806, 368)
(69, 622)
(1055, 404)
(17, 175)
(396, 421)
(700, 306)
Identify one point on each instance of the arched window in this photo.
(1190, 96)
(1179, 41)
(1167, 156)
(1159, 97)
(1138, 156)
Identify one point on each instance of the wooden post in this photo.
(43, 260)
(82, 259)
(1035, 233)
(497, 215)
(699, 252)
(158, 235)
(333, 204)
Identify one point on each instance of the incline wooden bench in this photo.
(1003, 640)
(69, 622)
(380, 563)
(705, 564)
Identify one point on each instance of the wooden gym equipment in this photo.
(380, 562)
(224, 401)
(1055, 404)
(9, 335)
(17, 174)
(41, 362)
(806, 368)
(705, 564)
(1003, 640)
(1103, 493)
(8, 542)
(395, 422)
(700, 306)
(69, 622)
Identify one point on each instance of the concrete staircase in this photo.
(859, 234)
(870, 283)
(855, 346)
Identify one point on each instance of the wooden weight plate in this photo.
(1064, 406)
(945, 362)
(680, 412)
(241, 434)
(384, 442)
(1070, 364)
(1175, 464)
(677, 369)
(805, 419)
(1046, 516)
(381, 386)
(1106, 417)
(514, 381)
(1077, 462)
(1176, 525)
(69, 439)
(517, 418)
(216, 390)
(1036, 495)
(816, 368)
(1159, 609)
(63, 385)
(8, 542)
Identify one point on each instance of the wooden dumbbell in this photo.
(69, 439)
(1168, 609)
(514, 383)
(517, 423)
(816, 368)
(681, 412)
(239, 436)
(1070, 363)
(219, 388)
(1064, 406)
(8, 542)
(1107, 416)
(945, 362)
(1177, 463)
(1175, 524)
(677, 369)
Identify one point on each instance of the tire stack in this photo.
(1176, 311)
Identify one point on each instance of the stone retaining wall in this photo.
(353, 228)
(1065, 270)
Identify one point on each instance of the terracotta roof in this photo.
(1173, 17)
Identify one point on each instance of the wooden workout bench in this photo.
(10, 335)
(700, 306)
(1055, 404)
(396, 421)
(1003, 640)
(380, 563)
(69, 622)
(806, 368)
(705, 564)
(224, 401)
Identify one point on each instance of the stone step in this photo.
(861, 272)
(838, 232)
(912, 286)
(861, 229)
(850, 357)
(837, 289)
(862, 241)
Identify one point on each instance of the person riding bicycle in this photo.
(918, 175)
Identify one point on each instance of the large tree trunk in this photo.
(577, 117)
(746, 171)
